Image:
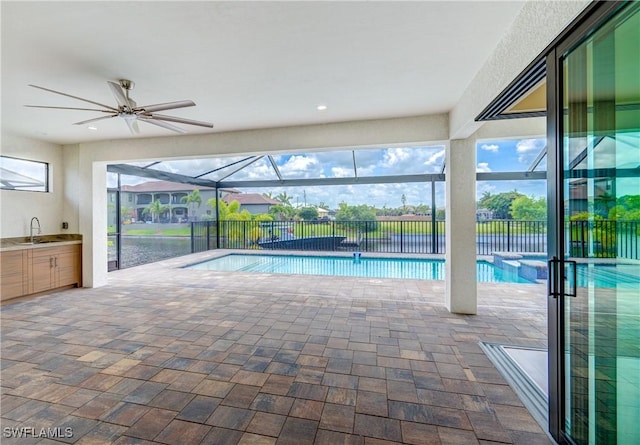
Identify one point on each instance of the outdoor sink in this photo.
(44, 241)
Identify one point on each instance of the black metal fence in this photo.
(605, 239)
(507, 235)
(602, 238)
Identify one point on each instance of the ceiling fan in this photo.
(129, 111)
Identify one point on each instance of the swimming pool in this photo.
(406, 268)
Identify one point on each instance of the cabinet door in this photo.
(13, 273)
(42, 270)
(67, 265)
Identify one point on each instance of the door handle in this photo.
(552, 278)
(572, 282)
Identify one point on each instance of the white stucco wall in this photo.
(285, 139)
(18, 207)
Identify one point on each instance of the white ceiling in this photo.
(245, 64)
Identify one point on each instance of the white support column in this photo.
(92, 205)
(461, 273)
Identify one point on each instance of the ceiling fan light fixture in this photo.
(128, 116)
(92, 128)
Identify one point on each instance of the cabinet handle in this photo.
(55, 261)
(51, 262)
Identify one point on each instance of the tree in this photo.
(630, 202)
(230, 211)
(499, 204)
(308, 213)
(126, 213)
(191, 200)
(284, 198)
(404, 201)
(281, 212)
(156, 208)
(525, 208)
(621, 213)
(362, 216)
(422, 209)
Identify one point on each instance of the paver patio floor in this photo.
(174, 356)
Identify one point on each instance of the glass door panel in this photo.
(601, 160)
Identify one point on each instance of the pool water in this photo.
(609, 276)
(418, 269)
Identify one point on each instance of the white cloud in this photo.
(341, 172)
(483, 167)
(394, 156)
(492, 147)
(435, 159)
(526, 145)
(302, 166)
(528, 149)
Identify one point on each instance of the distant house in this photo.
(484, 215)
(254, 203)
(138, 197)
(322, 212)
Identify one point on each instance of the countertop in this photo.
(40, 241)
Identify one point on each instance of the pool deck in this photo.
(178, 356)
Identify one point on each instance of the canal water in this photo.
(137, 250)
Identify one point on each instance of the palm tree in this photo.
(281, 212)
(156, 208)
(230, 211)
(191, 200)
(284, 198)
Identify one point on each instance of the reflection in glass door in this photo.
(600, 140)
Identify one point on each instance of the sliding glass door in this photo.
(596, 272)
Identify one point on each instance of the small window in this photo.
(22, 174)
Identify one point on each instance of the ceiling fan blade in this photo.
(133, 126)
(118, 93)
(74, 97)
(95, 119)
(70, 108)
(179, 120)
(165, 106)
(162, 124)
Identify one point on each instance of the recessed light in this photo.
(92, 128)
(321, 107)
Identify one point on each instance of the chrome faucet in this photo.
(31, 228)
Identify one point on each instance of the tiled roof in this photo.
(250, 198)
(166, 186)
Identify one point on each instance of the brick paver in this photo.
(169, 355)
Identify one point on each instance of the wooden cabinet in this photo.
(31, 271)
(13, 279)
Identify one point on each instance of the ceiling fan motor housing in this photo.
(127, 84)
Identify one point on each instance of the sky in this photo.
(492, 156)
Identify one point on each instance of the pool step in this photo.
(521, 265)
